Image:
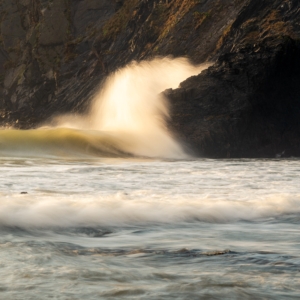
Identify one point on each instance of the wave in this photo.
(127, 118)
(61, 142)
(122, 209)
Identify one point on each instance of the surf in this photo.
(127, 117)
(59, 142)
(128, 209)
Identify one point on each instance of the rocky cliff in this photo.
(248, 103)
(54, 54)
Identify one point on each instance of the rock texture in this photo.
(55, 53)
(248, 103)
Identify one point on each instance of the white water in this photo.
(127, 118)
(90, 227)
(147, 193)
(141, 229)
(123, 209)
(130, 107)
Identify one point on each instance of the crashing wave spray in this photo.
(127, 117)
(132, 106)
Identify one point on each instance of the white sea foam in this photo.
(121, 209)
(131, 107)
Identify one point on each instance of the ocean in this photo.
(149, 229)
(110, 205)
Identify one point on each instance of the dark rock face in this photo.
(57, 52)
(54, 26)
(248, 103)
(54, 54)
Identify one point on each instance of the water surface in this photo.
(114, 228)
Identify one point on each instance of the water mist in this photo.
(128, 115)
(132, 106)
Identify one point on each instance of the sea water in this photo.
(109, 205)
(149, 229)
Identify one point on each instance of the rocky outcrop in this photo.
(55, 53)
(248, 103)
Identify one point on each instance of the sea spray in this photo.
(132, 109)
(131, 104)
(127, 117)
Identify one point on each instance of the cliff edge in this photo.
(55, 53)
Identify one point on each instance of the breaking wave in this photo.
(121, 209)
(127, 117)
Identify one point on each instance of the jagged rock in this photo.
(54, 27)
(3, 59)
(11, 30)
(91, 12)
(247, 104)
(13, 76)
